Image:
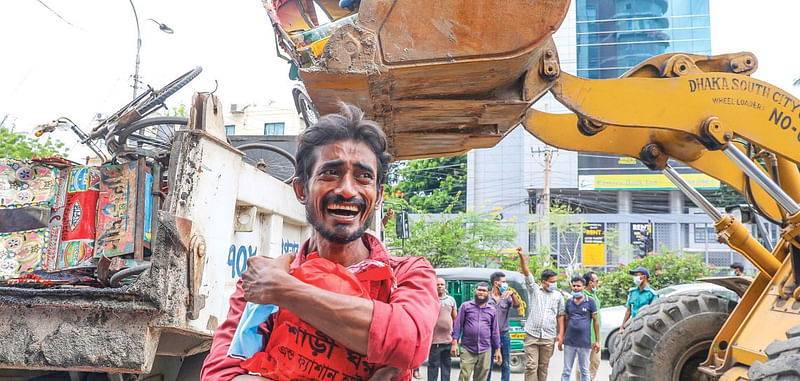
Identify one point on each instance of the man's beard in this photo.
(330, 235)
(481, 300)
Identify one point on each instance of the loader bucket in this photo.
(441, 77)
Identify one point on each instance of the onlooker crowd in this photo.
(567, 321)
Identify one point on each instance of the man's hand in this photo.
(621, 329)
(506, 294)
(523, 261)
(389, 214)
(596, 347)
(454, 349)
(498, 358)
(560, 340)
(265, 279)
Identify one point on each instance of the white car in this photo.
(611, 317)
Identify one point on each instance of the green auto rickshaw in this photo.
(461, 283)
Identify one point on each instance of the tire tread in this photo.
(636, 347)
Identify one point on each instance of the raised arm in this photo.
(522, 263)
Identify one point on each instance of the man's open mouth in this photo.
(343, 210)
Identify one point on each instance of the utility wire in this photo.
(59, 16)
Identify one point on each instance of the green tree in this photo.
(474, 238)
(179, 110)
(20, 146)
(429, 185)
(561, 220)
(666, 268)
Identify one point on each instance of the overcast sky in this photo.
(82, 66)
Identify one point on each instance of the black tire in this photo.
(141, 106)
(151, 137)
(783, 360)
(612, 341)
(307, 109)
(126, 275)
(517, 363)
(669, 338)
(270, 159)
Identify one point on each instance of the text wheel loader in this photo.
(446, 76)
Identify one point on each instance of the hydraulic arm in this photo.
(725, 124)
(655, 146)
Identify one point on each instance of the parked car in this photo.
(611, 317)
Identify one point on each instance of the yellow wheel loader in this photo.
(447, 76)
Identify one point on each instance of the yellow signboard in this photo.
(594, 246)
(517, 335)
(652, 181)
(594, 254)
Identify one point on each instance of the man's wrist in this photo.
(294, 291)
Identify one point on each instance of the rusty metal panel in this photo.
(447, 30)
(121, 208)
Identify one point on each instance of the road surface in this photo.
(554, 370)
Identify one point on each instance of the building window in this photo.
(273, 128)
(704, 233)
(230, 129)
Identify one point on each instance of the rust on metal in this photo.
(412, 68)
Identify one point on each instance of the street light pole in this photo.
(161, 26)
(138, 48)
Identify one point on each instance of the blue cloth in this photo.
(246, 340)
(579, 323)
(505, 351)
(477, 327)
(639, 298)
(583, 355)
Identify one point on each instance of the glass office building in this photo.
(613, 36)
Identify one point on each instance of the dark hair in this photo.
(496, 276)
(547, 274)
(577, 279)
(346, 125)
(587, 278)
(737, 265)
(482, 284)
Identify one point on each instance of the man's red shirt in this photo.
(400, 333)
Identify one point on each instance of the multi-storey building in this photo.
(603, 39)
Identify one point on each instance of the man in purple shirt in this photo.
(503, 300)
(476, 329)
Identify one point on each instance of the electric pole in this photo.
(543, 210)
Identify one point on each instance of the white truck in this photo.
(218, 212)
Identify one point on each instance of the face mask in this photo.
(637, 280)
(504, 287)
(552, 286)
(577, 294)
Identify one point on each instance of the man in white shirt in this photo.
(544, 326)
